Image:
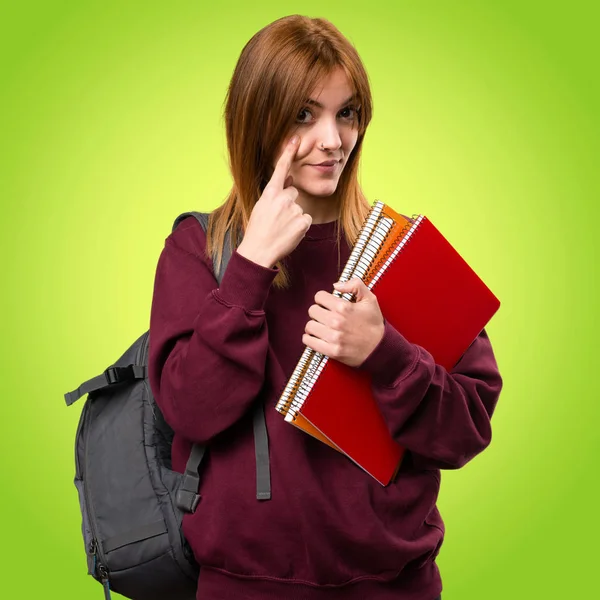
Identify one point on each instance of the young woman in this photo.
(297, 110)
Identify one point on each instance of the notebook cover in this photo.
(433, 298)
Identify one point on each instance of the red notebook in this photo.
(429, 294)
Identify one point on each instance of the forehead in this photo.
(332, 89)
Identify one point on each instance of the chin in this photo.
(325, 189)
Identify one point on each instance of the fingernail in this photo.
(295, 139)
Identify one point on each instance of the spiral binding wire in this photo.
(310, 360)
(354, 268)
(372, 237)
(363, 265)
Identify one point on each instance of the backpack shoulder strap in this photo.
(202, 218)
(110, 376)
(188, 496)
(121, 374)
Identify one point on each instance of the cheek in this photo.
(295, 171)
(349, 141)
(306, 145)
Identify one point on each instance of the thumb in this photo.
(354, 286)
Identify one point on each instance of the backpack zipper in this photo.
(94, 548)
(100, 569)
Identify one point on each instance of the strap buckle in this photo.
(187, 501)
(117, 374)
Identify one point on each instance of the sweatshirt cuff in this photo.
(245, 283)
(392, 359)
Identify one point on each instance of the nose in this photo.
(328, 134)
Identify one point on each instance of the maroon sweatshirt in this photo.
(330, 531)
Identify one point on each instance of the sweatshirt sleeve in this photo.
(208, 344)
(443, 418)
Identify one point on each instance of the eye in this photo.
(301, 118)
(349, 113)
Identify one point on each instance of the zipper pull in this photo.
(100, 570)
(105, 583)
(92, 549)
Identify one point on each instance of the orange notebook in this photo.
(426, 291)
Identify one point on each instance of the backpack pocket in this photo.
(85, 525)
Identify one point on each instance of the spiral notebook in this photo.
(426, 291)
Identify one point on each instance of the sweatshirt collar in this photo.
(322, 231)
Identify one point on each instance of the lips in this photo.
(327, 163)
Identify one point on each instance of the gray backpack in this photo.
(132, 502)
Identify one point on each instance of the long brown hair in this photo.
(275, 73)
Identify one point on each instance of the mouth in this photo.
(327, 163)
(327, 167)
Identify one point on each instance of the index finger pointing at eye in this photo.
(284, 163)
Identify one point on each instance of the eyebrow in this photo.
(319, 105)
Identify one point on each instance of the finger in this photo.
(330, 302)
(315, 344)
(319, 331)
(282, 168)
(289, 180)
(354, 286)
(353, 283)
(291, 193)
(322, 315)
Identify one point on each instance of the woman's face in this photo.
(329, 121)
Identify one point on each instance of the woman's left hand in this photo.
(345, 331)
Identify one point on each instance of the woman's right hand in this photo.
(277, 223)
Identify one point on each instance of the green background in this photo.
(485, 120)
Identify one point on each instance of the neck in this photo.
(322, 210)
